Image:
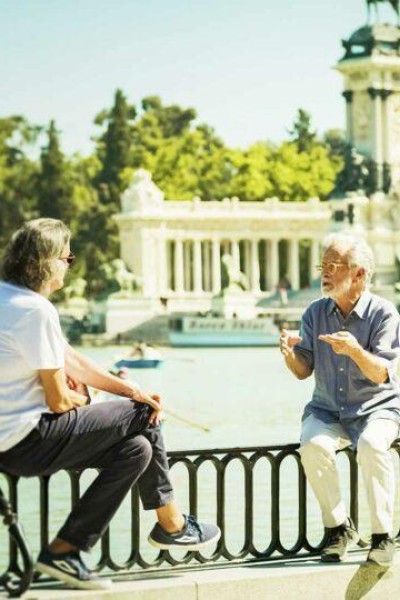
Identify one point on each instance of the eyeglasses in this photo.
(331, 267)
(68, 259)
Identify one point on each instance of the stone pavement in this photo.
(284, 580)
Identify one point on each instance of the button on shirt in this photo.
(342, 393)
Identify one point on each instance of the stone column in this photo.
(294, 264)
(376, 99)
(255, 267)
(386, 158)
(266, 265)
(162, 265)
(273, 264)
(348, 96)
(236, 255)
(170, 266)
(247, 259)
(314, 259)
(198, 288)
(179, 266)
(216, 267)
(186, 265)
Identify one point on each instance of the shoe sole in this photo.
(80, 584)
(189, 547)
(380, 564)
(335, 558)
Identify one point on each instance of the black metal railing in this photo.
(207, 475)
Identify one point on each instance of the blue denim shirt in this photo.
(342, 393)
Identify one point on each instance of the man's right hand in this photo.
(287, 342)
(294, 361)
(153, 400)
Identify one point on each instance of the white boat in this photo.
(219, 331)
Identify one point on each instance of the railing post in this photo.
(16, 587)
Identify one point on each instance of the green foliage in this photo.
(335, 141)
(252, 172)
(17, 175)
(54, 181)
(114, 145)
(298, 175)
(301, 133)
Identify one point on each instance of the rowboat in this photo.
(139, 363)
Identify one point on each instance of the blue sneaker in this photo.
(70, 568)
(193, 536)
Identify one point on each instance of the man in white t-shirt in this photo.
(47, 425)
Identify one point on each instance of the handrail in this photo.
(272, 459)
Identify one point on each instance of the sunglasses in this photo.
(68, 259)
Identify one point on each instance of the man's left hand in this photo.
(341, 342)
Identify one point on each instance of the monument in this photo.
(234, 300)
(368, 189)
(371, 70)
(176, 247)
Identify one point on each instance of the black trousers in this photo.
(113, 436)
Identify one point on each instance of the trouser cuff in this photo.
(161, 501)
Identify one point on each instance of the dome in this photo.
(372, 39)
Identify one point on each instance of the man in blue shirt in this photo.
(350, 340)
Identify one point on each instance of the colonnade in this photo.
(195, 265)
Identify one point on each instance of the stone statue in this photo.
(393, 3)
(356, 173)
(142, 194)
(76, 289)
(232, 279)
(119, 279)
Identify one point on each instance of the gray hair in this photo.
(359, 253)
(29, 256)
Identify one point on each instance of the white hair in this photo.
(359, 253)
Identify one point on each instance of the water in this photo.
(245, 397)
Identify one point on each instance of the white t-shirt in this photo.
(30, 339)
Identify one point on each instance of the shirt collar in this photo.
(360, 308)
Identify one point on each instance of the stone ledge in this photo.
(290, 580)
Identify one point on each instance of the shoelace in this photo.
(193, 526)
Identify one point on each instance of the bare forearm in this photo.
(59, 397)
(297, 365)
(373, 367)
(86, 371)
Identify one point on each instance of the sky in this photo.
(246, 66)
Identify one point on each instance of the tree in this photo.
(335, 141)
(251, 179)
(54, 184)
(114, 146)
(156, 126)
(297, 175)
(18, 174)
(114, 154)
(301, 133)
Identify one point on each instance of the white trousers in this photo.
(319, 443)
